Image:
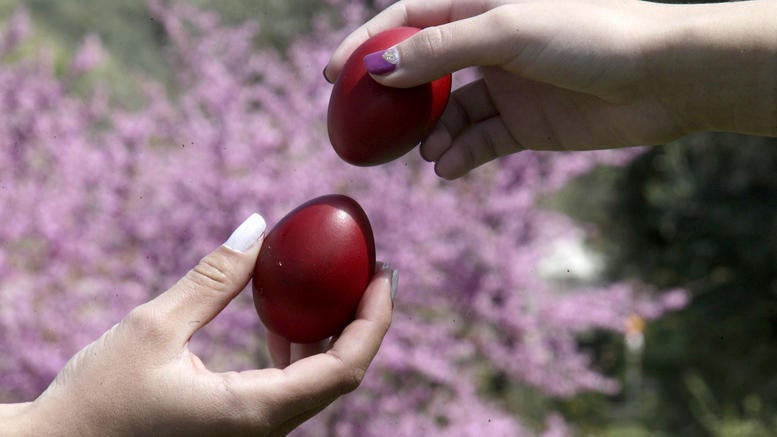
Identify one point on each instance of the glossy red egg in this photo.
(313, 268)
(371, 124)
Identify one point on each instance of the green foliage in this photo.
(280, 20)
(729, 422)
(700, 213)
(136, 42)
(133, 40)
(125, 27)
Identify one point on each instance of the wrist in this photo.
(53, 413)
(716, 66)
(15, 419)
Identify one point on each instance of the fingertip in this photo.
(449, 167)
(279, 349)
(248, 234)
(392, 275)
(300, 351)
(404, 78)
(401, 66)
(377, 303)
(343, 52)
(435, 144)
(326, 76)
(336, 63)
(382, 62)
(441, 174)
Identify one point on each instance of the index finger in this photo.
(414, 13)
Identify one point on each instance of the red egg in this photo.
(313, 269)
(371, 124)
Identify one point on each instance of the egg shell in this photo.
(313, 268)
(371, 124)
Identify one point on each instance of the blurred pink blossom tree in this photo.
(103, 208)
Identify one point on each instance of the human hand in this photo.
(140, 378)
(581, 74)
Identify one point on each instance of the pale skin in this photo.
(140, 378)
(582, 74)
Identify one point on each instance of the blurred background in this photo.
(623, 293)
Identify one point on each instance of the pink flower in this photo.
(89, 55)
(103, 208)
(17, 29)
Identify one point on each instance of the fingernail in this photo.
(393, 275)
(326, 78)
(382, 62)
(247, 233)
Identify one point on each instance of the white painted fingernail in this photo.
(247, 233)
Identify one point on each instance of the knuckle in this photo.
(351, 378)
(145, 322)
(236, 409)
(502, 20)
(432, 40)
(505, 33)
(505, 19)
(211, 273)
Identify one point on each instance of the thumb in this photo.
(437, 51)
(207, 288)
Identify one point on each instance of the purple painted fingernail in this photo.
(382, 62)
(325, 77)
